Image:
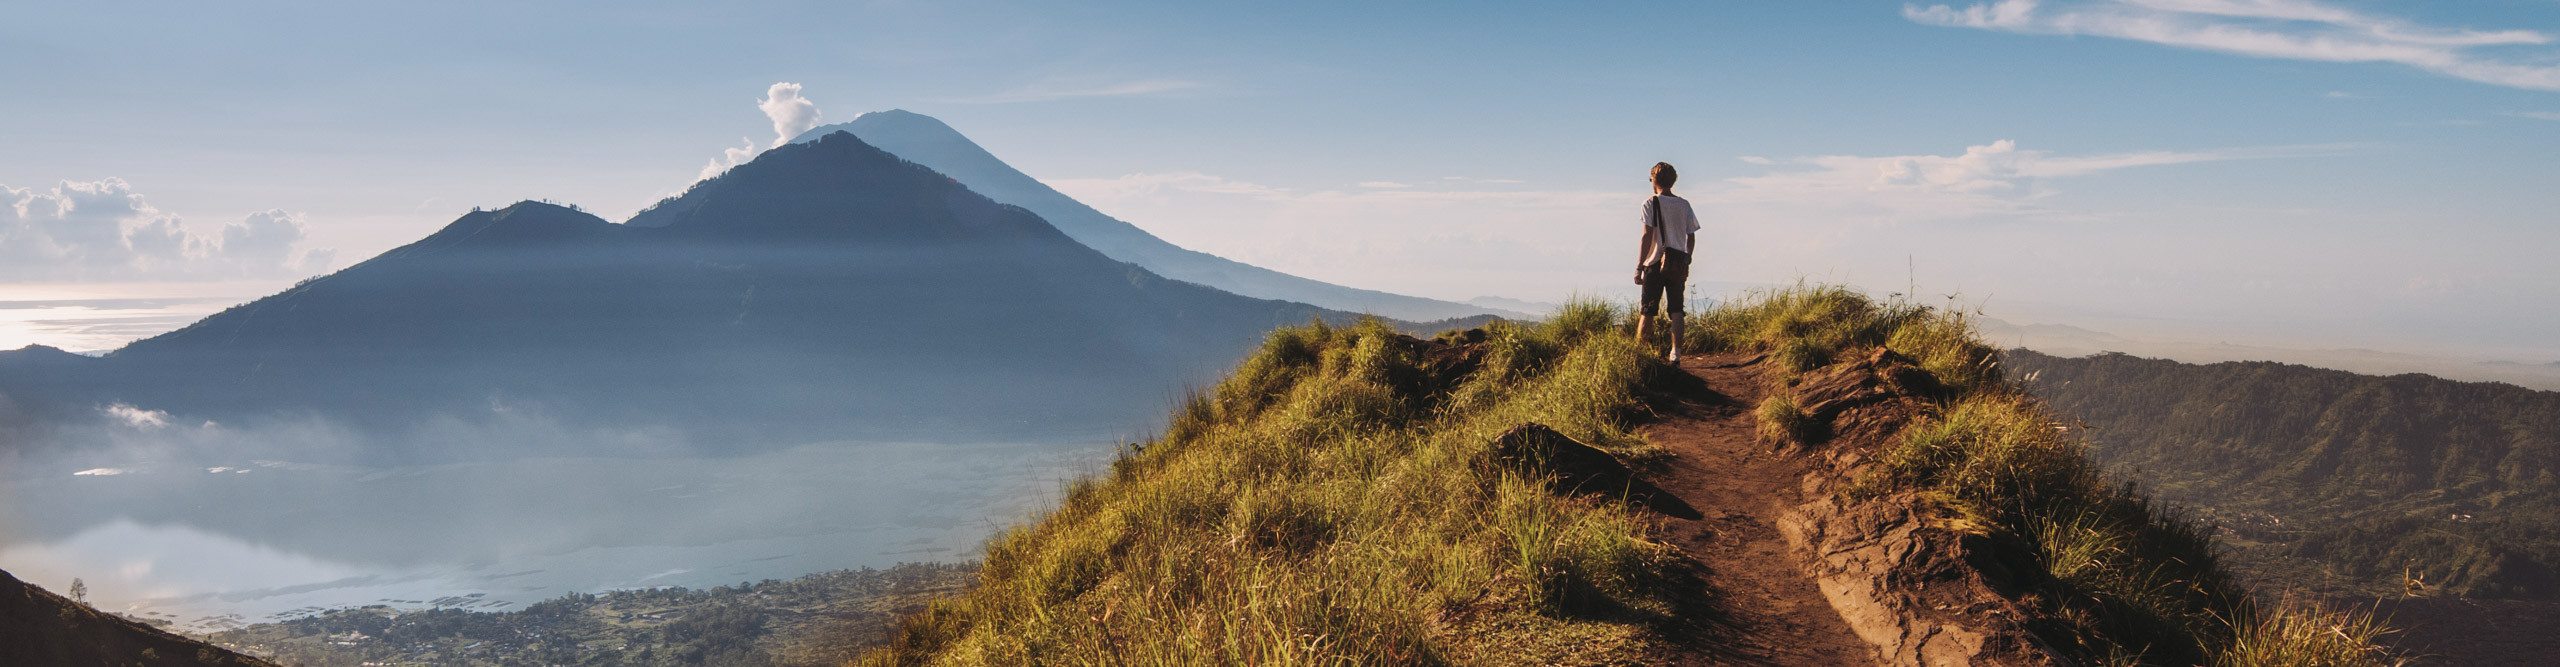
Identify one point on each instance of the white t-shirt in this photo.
(1677, 217)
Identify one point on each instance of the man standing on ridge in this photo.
(1662, 258)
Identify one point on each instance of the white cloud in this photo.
(1755, 159)
(1994, 178)
(265, 238)
(103, 230)
(1385, 185)
(2543, 115)
(728, 158)
(137, 417)
(791, 113)
(2291, 29)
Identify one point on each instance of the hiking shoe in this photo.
(1675, 357)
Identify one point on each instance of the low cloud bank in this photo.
(104, 230)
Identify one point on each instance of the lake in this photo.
(217, 544)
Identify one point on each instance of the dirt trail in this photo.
(1762, 606)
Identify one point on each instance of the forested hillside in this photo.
(2334, 480)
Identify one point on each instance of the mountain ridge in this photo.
(2340, 481)
(824, 290)
(930, 142)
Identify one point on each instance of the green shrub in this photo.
(1943, 342)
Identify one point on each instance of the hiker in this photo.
(1662, 259)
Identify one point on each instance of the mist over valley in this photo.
(827, 357)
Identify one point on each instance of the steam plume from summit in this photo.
(791, 113)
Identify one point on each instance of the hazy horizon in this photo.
(478, 304)
(2276, 173)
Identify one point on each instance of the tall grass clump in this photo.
(2305, 634)
(2122, 580)
(1809, 326)
(1334, 502)
(1782, 422)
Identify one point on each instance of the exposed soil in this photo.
(1763, 606)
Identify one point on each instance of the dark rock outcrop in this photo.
(1581, 469)
(1922, 593)
(1867, 397)
(1919, 593)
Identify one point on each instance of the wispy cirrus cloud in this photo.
(1156, 184)
(2540, 115)
(2289, 29)
(1997, 178)
(1449, 236)
(1063, 89)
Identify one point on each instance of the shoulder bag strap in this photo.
(1661, 237)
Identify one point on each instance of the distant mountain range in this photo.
(2331, 479)
(826, 290)
(931, 143)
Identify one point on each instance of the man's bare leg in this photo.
(1644, 330)
(1676, 325)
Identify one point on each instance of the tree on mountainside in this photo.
(79, 591)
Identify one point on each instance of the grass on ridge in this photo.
(2126, 581)
(1332, 502)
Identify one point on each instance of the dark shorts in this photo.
(1667, 287)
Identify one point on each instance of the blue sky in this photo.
(2272, 171)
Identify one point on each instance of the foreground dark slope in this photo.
(1555, 495)
(825, 290)
(929, 142)
(41, 629)
(2337, 480)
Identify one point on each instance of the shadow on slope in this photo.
(38, 627)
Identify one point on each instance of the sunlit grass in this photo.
(2304, 634)
(2126, 582)
(1333, 502)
